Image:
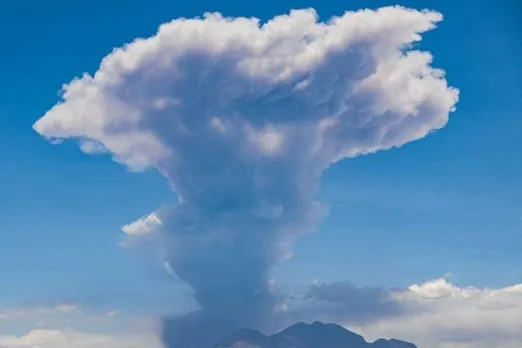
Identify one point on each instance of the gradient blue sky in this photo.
(451, 203)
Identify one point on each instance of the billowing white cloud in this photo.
(242, 118)
(213, 66)
(438, 314)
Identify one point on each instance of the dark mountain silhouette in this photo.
(302, 335)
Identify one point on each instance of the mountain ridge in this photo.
(303, 335)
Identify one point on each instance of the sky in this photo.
(423, 223)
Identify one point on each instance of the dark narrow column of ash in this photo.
(242, 118)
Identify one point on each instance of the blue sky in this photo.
(447, 204)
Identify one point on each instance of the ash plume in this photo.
(242, 117)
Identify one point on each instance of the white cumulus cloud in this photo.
(438, 314)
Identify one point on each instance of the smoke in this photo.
(242, 118)
(343, 302)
